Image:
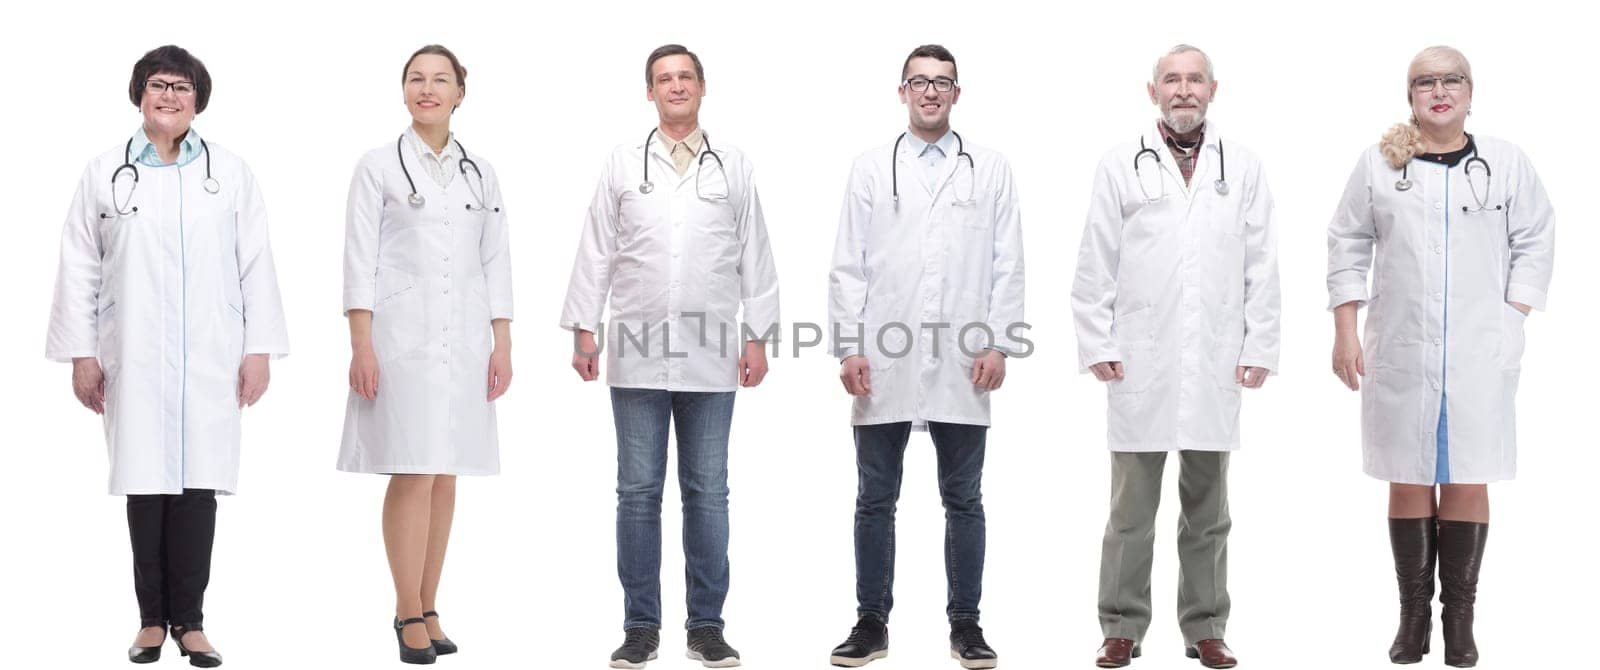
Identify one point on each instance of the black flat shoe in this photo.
(414, 655)
(137, 654)
(440, 647)
(199, 659)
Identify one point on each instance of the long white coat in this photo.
(952, 256)
(677, 263)
(169, 299)
(1439, 320)
(1181, 291)
(434, 277)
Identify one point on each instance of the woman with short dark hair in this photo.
(167, 306)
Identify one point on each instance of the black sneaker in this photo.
(967, 645)
(707, 646)
(638, 647)
(868, 641)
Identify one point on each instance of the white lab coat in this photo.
(677, 267)
(1439, 320)
(169, 299)
(434, 278)
(952, 256)
(1182, 291)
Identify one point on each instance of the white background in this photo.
(302, 90)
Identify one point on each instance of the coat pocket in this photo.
(399, 320)
(1135, 336)
(1513, 338)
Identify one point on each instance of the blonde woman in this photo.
(427, 272)
(1459, 239)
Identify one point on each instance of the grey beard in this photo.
(1184, 128)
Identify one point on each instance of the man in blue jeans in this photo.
(925, 303)
(676, 239)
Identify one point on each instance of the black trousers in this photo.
(172, 537)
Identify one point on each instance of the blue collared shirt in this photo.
(145, 152)
(931, 156)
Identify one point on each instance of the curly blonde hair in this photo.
(1404, 140)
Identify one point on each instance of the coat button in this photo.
(1436, 386)
(448, 223)
(1436, 207)
(1437, 341)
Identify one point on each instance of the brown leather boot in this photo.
(1412, 542)
(1460, 555)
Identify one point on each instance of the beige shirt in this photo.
(441, 167)
(682, 152)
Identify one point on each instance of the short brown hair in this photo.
(178, 61)
(671, 50)
(933, 51)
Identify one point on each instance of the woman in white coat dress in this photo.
(1459, 238)
(167, 305)
(427, 279)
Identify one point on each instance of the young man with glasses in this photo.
(925, 303)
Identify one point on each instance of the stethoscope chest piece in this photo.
(646, 187)
(1222, 187)
(1402, 185)
(211, 186)
(416, 199)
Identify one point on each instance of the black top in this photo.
(1453, 158)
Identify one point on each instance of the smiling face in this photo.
(676, 88)
(1441, 110)
(432, 90)
(1183, 90)
(930, 108)
(167, 113)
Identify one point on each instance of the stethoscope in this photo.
(1221, 184)
(961, 152)
(1405, 183)
(647, 186)
(122, 206)
(416, 198)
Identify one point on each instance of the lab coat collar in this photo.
(660, 148)
(423, 148)
(946, 144)
(144, 151)
(1203, 164)
(695, 139)
(913, 148)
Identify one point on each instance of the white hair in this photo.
(1155, 70)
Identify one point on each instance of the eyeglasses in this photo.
(1452, 82)
(157, 87)
(921, 84)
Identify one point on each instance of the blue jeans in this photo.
(702, 420)
(880, 460)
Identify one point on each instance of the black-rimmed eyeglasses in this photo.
(921, 84)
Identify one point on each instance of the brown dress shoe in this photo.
(1212, 654)
(1116, 652)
